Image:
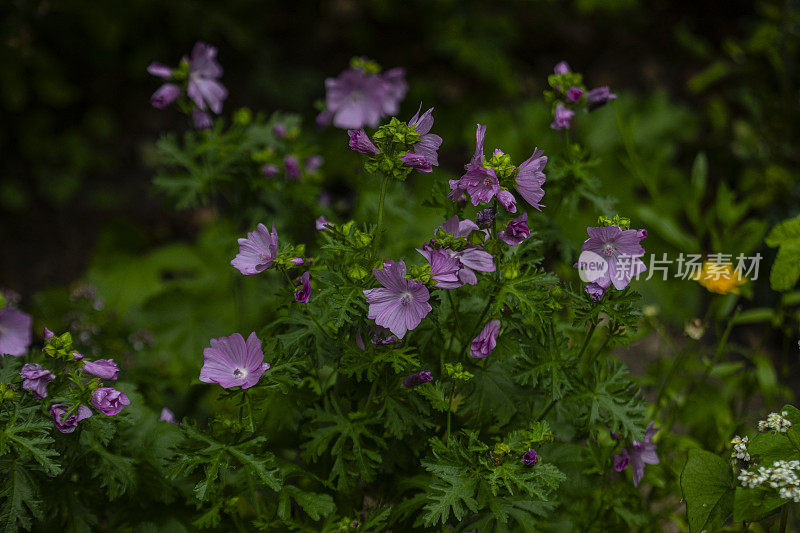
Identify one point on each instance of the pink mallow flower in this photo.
(401, 304)
(424, 154)
(485, 342)
(167, 416)
(15, 331)
(482, 183)
(36, 379)
(102, 368)
(204, 71)
(321, 224)
(68, 425)
(257, 251)
(622, 251)
(109, 401)
(232, 362)
(355, 99)
(562, 117)
(643, 453)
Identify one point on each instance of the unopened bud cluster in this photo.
(740, 448)
(775, 422)
(782, 476)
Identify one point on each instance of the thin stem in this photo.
(449, 414)
(587, 339)
(379, 226)
(546, 410)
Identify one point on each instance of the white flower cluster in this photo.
(740, 448)
(775, 422)
(781, 476)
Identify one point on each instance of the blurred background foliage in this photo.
(701, 148)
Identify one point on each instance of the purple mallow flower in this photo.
(485, 342)
(622, 251)
(530, 457)
(643, 453)
(109, 401)
(257, 251)
(574, 94)
(15, 331)
(102, 368)
(599, 97)
(159, 70)
(201, 119)
(621, 460)
(361, 143)
(400, 304)
(270, 170)
(292, 167)
(561, 68)
(279, 131)
(165, 95)
(380, 337)
(472, 258)
(304, 293)
(562, 117)
(417, 379)
(639, 454)
(482, 183)
(595, 291)
(444, 267)
(232, 362)
(36, 379)
(203, 88)
(68, 425)
(168, 416)
(321, 224)
(355, 99)
(313, 163)
(530, 178)
(424, 154)
(516, 231)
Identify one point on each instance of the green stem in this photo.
(249, 406)
(379, 226)
(784, 518)
(545, 410)
(449, 413)
(587, 339)
(455, 313)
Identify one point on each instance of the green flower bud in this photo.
(242, 116)
(365, 64)
(357, 272)
(501, 449)
(622, 222)
(362, 239)
(510, 271)
(347, 227)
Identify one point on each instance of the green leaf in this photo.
(615, 400)
(19, 495)
(315, 505)
(708, 488)
(786, 268)
(755, 504)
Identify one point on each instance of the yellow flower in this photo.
(720, 278)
